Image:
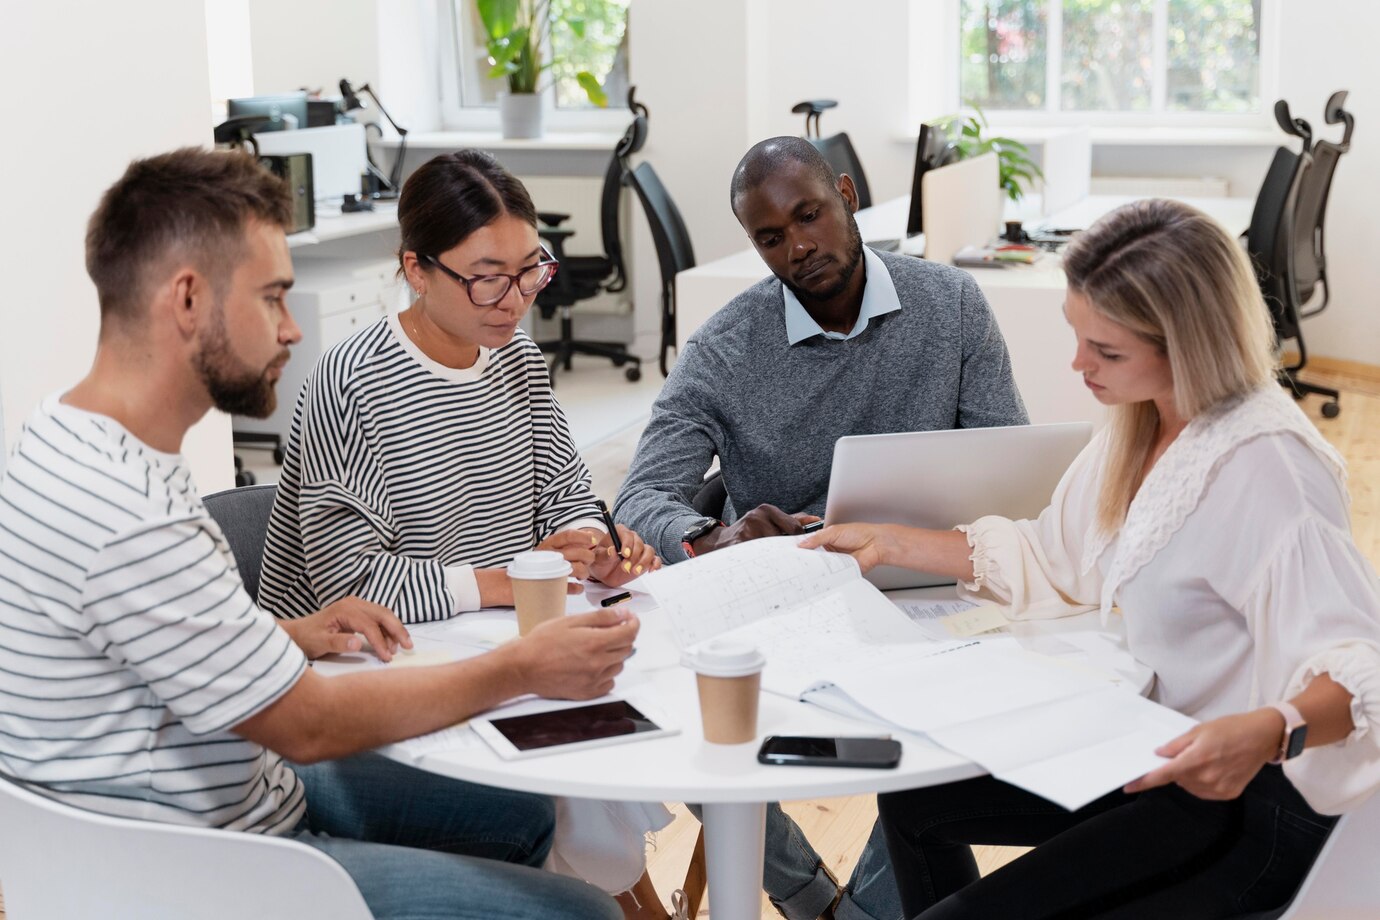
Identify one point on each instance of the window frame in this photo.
(1156, 117)
(456, 116)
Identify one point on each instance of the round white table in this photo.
(727, 779)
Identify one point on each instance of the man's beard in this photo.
(233, 387)
(855, 257)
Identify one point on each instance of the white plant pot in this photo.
(520, 114)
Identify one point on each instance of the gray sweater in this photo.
(772, 411)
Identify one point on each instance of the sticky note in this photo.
(967, 623)
(422, 659)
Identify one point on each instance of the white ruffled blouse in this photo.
(1235, 570)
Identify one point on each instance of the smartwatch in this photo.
(695, 531)
(1295, 732)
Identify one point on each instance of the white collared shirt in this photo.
(879, 298)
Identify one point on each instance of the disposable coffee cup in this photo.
(539, 587)
(729, 675)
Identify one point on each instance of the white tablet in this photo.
(571, 729)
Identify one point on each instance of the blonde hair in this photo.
(1172, 276)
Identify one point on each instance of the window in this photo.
(584, 36)
(1118, 57)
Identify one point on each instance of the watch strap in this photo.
(1293, 723)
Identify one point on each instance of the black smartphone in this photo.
(798, 750)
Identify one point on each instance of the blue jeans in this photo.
(424, 847)
(794, 880)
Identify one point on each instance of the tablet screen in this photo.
(567, 726)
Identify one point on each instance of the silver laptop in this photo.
(939, 479)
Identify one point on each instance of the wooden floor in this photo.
(839, 827)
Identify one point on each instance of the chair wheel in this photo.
(1331, 410)
(279, 455)
(619, 362)
(244, 478)
(633, 374)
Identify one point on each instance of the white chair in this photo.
(1344, 883)
(57, 861)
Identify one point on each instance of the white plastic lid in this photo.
(537, 564)
(725, 658)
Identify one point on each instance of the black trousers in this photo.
(1158, 854)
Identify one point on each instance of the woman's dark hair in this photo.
(452, 196)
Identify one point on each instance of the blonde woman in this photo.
(1215, 516)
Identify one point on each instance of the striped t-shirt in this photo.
(403, 475)
(128, 646)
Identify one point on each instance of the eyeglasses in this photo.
(487, 290)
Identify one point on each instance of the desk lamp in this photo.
(349, 101)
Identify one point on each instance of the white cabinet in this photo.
(331, 300)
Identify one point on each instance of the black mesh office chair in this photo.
(1285, 239)
(673, 250)
(837, 149)
(584, 277)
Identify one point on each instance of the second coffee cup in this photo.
(539, 582)
(729, 675)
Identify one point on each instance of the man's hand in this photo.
(616, 570)
(579, 547)
(1217, 759)
(337, 629)
(576, 657)
(762, 521)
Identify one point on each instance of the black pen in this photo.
(608, 522)
(618, 598)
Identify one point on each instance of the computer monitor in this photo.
(932, 150)
(287, 110)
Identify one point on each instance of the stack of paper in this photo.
(833, 639)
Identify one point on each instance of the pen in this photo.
(608, 522)
(813, 526)
(618, 598)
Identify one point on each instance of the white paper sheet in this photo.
(729, 588)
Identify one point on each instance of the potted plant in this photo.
(1013, 158)
(518, 32)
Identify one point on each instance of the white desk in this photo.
(1027, 301)
(726, 778)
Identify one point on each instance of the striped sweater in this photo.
(402, 476)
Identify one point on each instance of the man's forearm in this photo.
(326, 717)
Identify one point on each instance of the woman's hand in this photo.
(581, 548)
(337, 629)
(870, 544)
(1217, 759)
(616, 570)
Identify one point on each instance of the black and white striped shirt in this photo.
(128, 646)
(402, 476)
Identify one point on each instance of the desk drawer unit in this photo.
(330, 301)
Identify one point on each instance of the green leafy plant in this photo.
(518, 31)
(1013, 158)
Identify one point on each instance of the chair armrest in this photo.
(553, 218)
(555, 238)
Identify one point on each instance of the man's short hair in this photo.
(191, 203)
(768, 156)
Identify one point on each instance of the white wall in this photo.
(109, 85)
(313, 43)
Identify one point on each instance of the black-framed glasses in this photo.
(487, 290)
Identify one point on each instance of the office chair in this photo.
(243, 517)
(62, 861)
(1285, 239)
(712, 497)
(583, 277)
(673, 250)
(837, 149)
